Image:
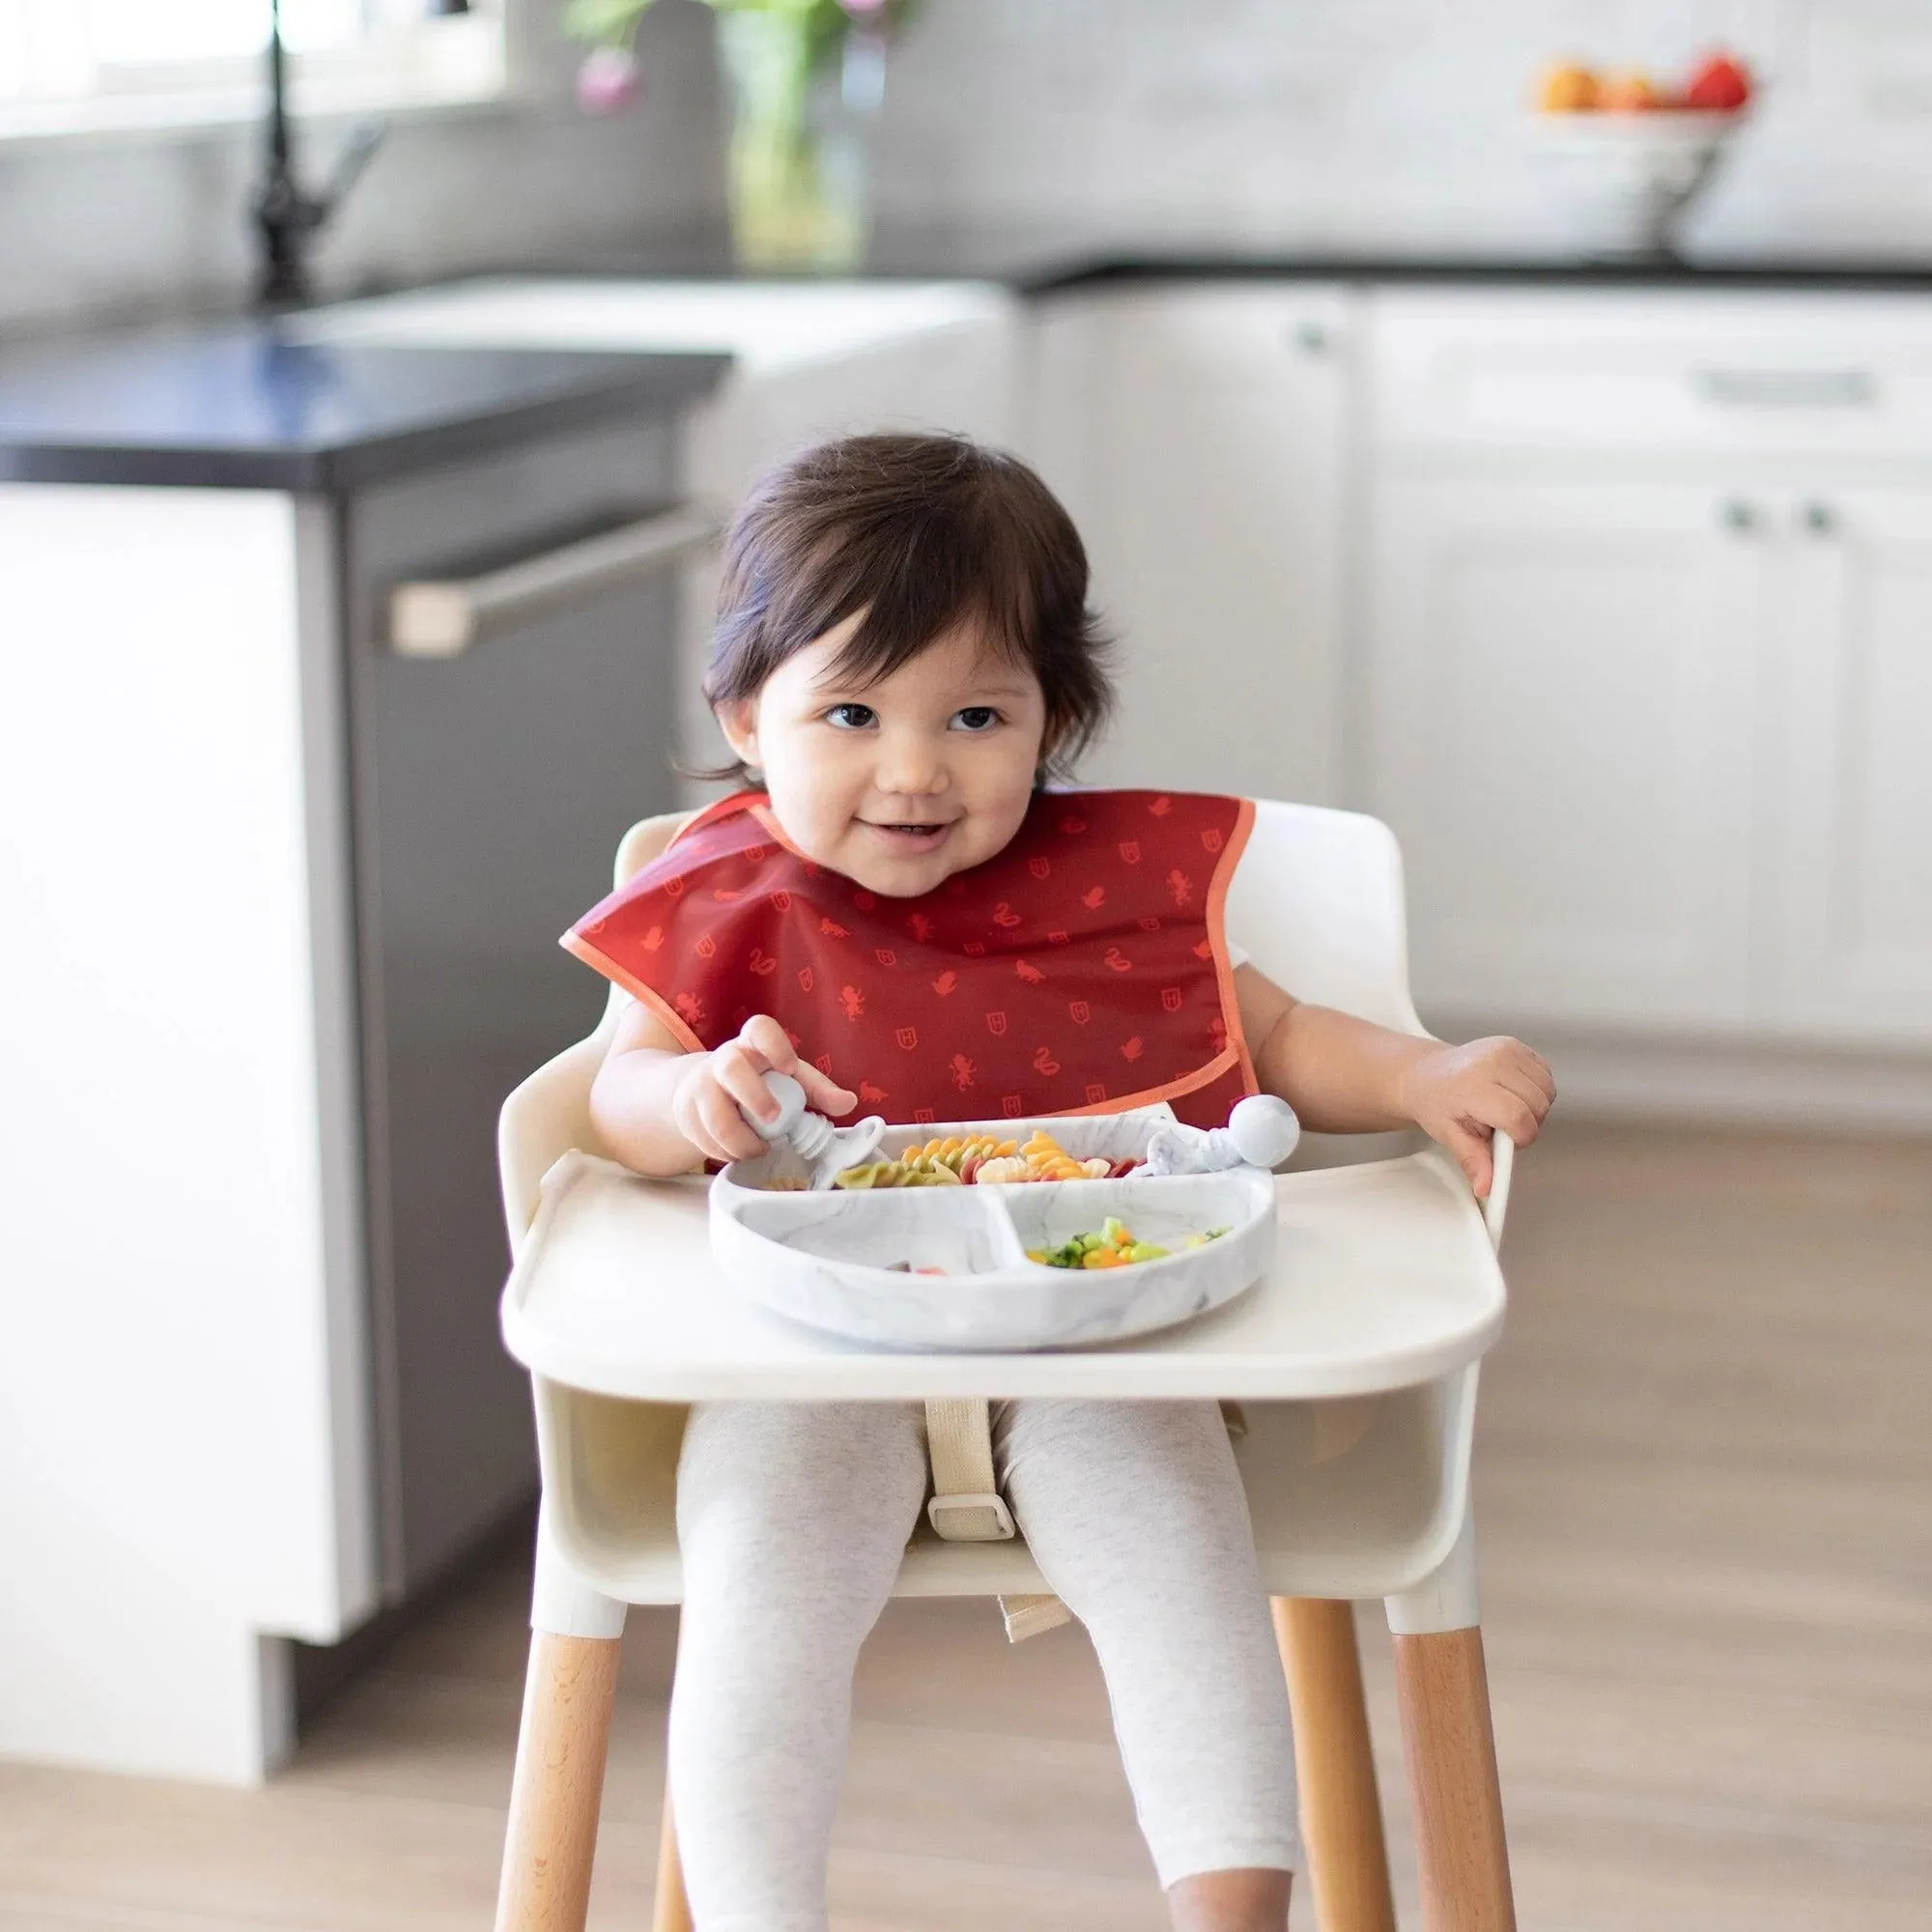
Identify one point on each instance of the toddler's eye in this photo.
(851, 717)
(976, 717)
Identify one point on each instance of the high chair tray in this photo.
(1382, 1277)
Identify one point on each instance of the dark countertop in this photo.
(235, 406)
(1044, 261)
(1128, 265)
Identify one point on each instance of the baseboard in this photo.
(319, 1672)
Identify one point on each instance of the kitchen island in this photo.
(286, 850)
(280, 912)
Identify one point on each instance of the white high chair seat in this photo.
(1354, 1360)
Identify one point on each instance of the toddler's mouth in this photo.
(907, 835)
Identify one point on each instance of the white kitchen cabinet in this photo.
(185, 1460)
(1562, 683)
(1849, 791)
(1682, 374)
(1645, 690)
(1199, 436)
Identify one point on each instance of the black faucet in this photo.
(287, 219)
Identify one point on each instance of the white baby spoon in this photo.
(824, 1149)
(1260, 1132)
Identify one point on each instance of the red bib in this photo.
(1081, 970)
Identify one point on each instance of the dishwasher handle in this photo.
(441, 618)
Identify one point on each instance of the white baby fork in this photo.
(825, 1149)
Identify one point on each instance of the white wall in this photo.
(134, 225)
(1356, 123)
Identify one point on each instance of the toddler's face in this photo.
(900, 783)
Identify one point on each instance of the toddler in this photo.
(904, 913)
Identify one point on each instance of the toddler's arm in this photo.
(1344, 1075)
(663, 1109)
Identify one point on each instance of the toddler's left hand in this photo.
(1460, 1094)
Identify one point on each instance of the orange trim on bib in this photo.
(1217, 933)
(645, 995)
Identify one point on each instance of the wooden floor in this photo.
(1705, 1465)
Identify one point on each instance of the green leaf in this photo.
(613, 22)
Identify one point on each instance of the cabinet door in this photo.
(1198, 438)
(1849, 795)
(1561, 710)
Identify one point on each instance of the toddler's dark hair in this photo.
(921, 533)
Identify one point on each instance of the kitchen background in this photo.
(1323, 125)
(1289, 305)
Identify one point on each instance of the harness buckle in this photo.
(1003, 1517)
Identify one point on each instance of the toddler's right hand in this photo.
(716, 1090)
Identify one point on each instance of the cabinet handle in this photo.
(1787, 388)
(1820, 518)
(443, 618)
(1739, 516)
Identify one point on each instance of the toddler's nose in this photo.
(909, 767)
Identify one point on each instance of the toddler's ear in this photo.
(738, 719)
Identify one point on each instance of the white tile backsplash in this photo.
(1395, 124)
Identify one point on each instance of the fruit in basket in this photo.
(1567, 88)
(1721, 85)
(1631, 92)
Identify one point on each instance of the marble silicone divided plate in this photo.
(826, 1259)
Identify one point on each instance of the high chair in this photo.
(1354, 1363)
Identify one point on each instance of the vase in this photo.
(798, 174)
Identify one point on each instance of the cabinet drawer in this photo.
(1572, 370)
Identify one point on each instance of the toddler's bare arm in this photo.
(1346, 1075)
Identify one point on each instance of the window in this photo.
(69, 66)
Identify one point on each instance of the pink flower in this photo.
(607, 81)
(858, 8)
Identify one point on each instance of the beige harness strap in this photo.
(1026, 1616)
(966, 1505)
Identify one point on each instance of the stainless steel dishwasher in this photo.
(511, 626)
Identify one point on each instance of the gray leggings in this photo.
(792, 1518)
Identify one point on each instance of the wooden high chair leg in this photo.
(1454, 1791)
(1443, 1691)
(670, 1910)
(1341, 1806)
(551, 1840)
